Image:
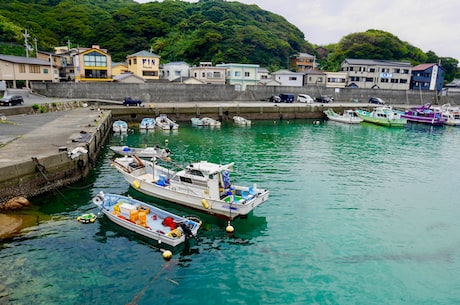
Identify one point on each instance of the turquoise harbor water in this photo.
(357, 215)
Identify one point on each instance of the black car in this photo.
(10, 100)
(376, 100)
(323, 99)
(128, 101)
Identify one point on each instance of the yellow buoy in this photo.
(205, 203)
(136, 184)
(167, 254)
(229, 228)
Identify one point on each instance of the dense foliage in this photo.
(209, 30)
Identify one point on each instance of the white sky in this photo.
(429, 25)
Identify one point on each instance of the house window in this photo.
(372, 70)
(237, 73)
(247, 74)
(95, 59)
(293, 78)
(406, 71)
(216, 75)
(403, 81)
(134, 61)
(92, 73)
(203, 74)
(34, 69)
(22, 68)
(369, 79)
(45, 71)
(149, 73)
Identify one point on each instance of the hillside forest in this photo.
(209, 30)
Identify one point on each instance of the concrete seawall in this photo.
(36, 150)
(165, 92)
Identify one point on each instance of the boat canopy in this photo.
(205, 168)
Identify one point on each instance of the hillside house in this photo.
(144, 64)
(14, 69)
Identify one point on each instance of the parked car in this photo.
(376, 100)
(274, 99)
(9, 100)
(128, 101)
(304, 98)
(323, 99)
(287, 98)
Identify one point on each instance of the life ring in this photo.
(87, 218)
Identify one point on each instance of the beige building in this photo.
(22, 70)
(119, 68)
(383, 74)
(336, 79)
(314, 77)
(92, 65)
(144, 64)
(302, 62)
(208, 74)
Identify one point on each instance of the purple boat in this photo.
(424, 114)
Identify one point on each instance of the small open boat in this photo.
(146, 219)
(147, 123)
(349, 116)
(147, 152)
(239, 120)
(425, 114)
(205, 122)
(120, 126)
(165, 123)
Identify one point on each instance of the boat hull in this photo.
(153, 228)
(229, 207)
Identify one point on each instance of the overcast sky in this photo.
(429, 25)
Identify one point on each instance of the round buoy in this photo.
(79, 218)
(166, 142)
(167, 254)
(229, 228)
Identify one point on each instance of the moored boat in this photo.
(165, 123)
(425, 114)
(383, 116)
(239, 120)
(349, 116)
(147, 123)
(205, 122)
(120, 126)
(147, 152)
(203, 186)
(451, 114)
(146, 219)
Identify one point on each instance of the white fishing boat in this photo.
(147, 152)
(205, 122)
(120, 126)
(147, 123)
(451, 114)
(203, 186)
(239, 120)
(146, 219)
(165, 123)
(349, 116)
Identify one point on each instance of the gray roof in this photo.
(24, 60)
(144, 54)
(376, 62)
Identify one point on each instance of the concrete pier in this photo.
(40, 152)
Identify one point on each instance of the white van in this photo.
(304, 98)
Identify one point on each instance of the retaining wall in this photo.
(172, 92)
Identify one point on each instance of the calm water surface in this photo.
(357, 215)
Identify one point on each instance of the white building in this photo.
(175, 70)
(288, 78)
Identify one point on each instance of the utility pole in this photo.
(36, 49)
(26, 42)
